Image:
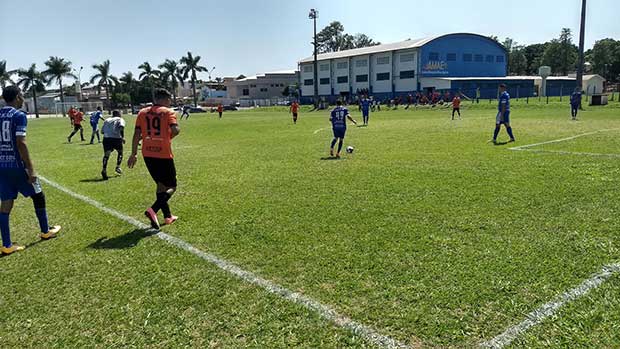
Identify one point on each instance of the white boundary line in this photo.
(610, 155)
(524, 147)
(317, 131)
(325, 311)
(546, 310)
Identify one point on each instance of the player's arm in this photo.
(174, 126)
(133, 158)
(503, 111)
(350, 118)
(122, 132)
(22, 148)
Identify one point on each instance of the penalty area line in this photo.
(323, 310)
(317, 131)
(524, 147)
(549, 309)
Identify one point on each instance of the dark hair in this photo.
(502, 85)
(161, 93)
(10, 93)
(116, 113)
(98, 108)
(338, 102)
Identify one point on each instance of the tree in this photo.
(127, 83)
(534, 55)
(605, 58)
(57, 69)
(170, 69)
(517, 62)
(32, 80)
(149, 75)
(104, 79)
(190, 68)
(333, 38)
(5, 75)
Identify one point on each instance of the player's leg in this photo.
(82, 133)
(92, 135)
(107, 151)
(453, 110)
(75, 130)
(458, 110)
(5, 210)
(509, 131)
(119, 156)
(166, 189)
(35, 192)
(333, 143)
(340, 142)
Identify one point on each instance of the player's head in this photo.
(12, 95)
(339, 103)
(82, 110)
(99, 108)
(163, 97)
(116, 114)
(502, 87)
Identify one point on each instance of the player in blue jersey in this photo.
(17, 174)
(503, 114)
(338, 119)
(94, 124)
(365, 109)
(575, 102)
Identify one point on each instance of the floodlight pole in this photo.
(79, 84)
(581, 44)
(313, 15)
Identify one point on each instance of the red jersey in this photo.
(456, 102)
(220, 108)
(155, 127)
(294, 107)
(77, 118)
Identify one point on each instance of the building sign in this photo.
(435, 68)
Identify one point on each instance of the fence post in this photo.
(547, 99)
(561, 91)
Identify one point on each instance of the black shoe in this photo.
(118, 170)
(104, 175)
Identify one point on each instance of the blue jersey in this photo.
(12, 125)
(575, 98)
(366, 104)
(339, 117)
(504, 99)
(94, 117)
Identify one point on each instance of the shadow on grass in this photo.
(128, 240)
(97, 180)
(362, 125)
(500, 143)
(331, 158)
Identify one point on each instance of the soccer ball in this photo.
(350, 149)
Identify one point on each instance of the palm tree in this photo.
(5, 75)
(149, 74)
(33, 80)
(105, 79)
(128, 81)
(190, 67)
(170, 69)
(58, 68)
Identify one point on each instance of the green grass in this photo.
(428, 233)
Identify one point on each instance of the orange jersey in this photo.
(456, 102)
(77, 118)
(155, 127)
(294, 107)
(220, 108)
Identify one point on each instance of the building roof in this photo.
(401, 45)
(279, 72)
(525, 77)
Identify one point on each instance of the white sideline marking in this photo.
(317, 131)
(523, 147)
(325, 311)
(611, 155)
(537, 316)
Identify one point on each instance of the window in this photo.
(342, 65)
(478, 58)
(433, 56)
(489, 59)
(263, 89)
(383, 60)
(362, 63)
(451, 57)
(246, 92)
(324, 81)
(343, 79)
(308, 82)
(361, 78)
(407, 74)
(409, 57)
(252, 86)
(383, 76)
(324, 67)
(467, 57)
(499, 59)
(308, 69)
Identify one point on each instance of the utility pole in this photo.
(581, 44)
(314, 14)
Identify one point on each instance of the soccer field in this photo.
(427, 234)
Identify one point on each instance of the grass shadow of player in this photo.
(362, 126)
(330, 158)
(96, 180)
(500, 143)
(124, 241)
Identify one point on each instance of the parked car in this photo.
(197, 110)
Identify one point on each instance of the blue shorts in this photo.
(14, 181)
(365, 113)
(339, 132)
(95, 126)
(504, 120)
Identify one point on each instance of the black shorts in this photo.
(294, 115)
(77, 127)
(110, 144)
(162, 171)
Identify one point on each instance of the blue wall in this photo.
(460, 44)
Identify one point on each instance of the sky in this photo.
(254, 36)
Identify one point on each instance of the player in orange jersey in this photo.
(76, 121)
(456, 106)
(156, 126)
(294, 110)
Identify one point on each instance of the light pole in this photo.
(79, 84)
(313, 15)
(582, 35)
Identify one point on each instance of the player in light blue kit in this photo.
(503, 114)
(17, 174)
(94, 123)
(338, 119)
(366, 110)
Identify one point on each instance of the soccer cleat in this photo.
(331, 153)
(68, 139)
(104, 175)
(152, 216)
(511, 140)
(118, 170)
(10, 250)
(337, 155)
(51, 233)
(170, 220)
